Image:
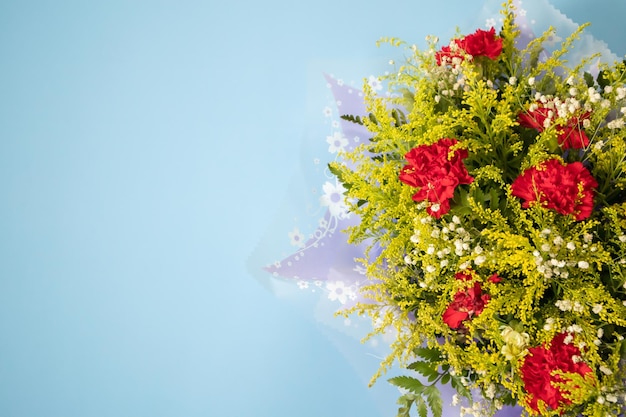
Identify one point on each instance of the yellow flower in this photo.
(514, 343)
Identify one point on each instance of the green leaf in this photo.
(433, 396)
(351, 118)
(429, 354)
(588, 79)
(445, 379)
(405, 403)
(398, 117)
(424, 368)
(422, 409)
(408, 383)
(338, 172)
(456, 383)
(602, 79)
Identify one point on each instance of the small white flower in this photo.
(296, 238)
(513, 80)
(531, 81)
(479, 260)
(548, 324)
(337, 291)
(334, 199)
(374, 83)
(336, 143)
(583, 264)
(597, 308)
(577, 307)
(605, 370)
(615, 124)
(574, 328)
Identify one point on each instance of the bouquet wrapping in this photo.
(481, 185)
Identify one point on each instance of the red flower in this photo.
(465, 275)
(480, 43)
(435, 174)
(535, 118)
(567, 189)
(570, 135)
(539, 365)
(495, 278)
(466, 304)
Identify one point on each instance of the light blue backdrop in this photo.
(144, 146)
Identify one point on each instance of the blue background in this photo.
(144, 146)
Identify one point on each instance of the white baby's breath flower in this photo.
(531, 81)
(583, 264)
(615, 124)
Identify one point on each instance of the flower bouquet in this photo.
(491, 197)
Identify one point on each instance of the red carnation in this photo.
(567, 189)
(466, 304)
(570, 135)
(480, 43)
(538, 372)
(437, 174)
